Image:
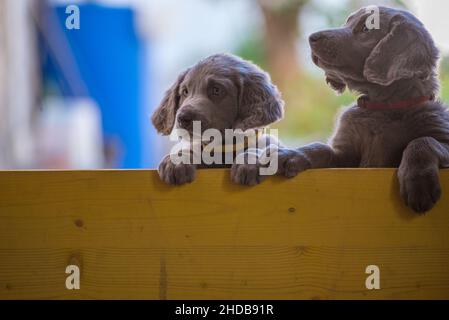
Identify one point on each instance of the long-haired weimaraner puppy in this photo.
(221, 92)
(397, 121)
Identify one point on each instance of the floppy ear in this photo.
(407, 51)
(335, 84)
(260, 101)
(163, 117)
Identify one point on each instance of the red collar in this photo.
(363, 102)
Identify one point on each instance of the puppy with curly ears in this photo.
(397, 121)
(220, 92)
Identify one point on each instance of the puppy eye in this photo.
(365, 28)
(216, 91)
(185, 92)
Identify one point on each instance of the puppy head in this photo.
(223, 92)
(355, 55)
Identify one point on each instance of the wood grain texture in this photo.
(310, 237)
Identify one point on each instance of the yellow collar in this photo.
(248, 140)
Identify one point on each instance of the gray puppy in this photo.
(222, 92)
(397, 122)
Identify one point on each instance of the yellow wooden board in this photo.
(310, 237)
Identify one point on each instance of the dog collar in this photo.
(248, 140)
(364, 102)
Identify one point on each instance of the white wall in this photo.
(18, 76)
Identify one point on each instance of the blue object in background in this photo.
(111, 61)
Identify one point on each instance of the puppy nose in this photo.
(315, 37)
(185, 118)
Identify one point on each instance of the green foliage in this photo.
(253, 49)
(444, 78)
(310, 110)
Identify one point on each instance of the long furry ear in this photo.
(260, 101)
(163, 117)
(407, 51)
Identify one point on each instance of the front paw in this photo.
(176, 174)
(246, 174)
(292, 162)
(420, 189)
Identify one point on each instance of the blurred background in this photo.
(81, 95)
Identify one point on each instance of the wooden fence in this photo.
(132, 236)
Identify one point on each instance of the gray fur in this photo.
(246, 99)
(395, 63)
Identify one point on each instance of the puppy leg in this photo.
(290, 162)
(316, 155)
(246, 172)
(342, 152)
(293, 161)
(176, 174)
(418, 173)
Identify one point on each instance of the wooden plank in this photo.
(133, 236)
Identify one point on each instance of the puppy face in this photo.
(355, 55)
(223, 92)
(207, 94)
